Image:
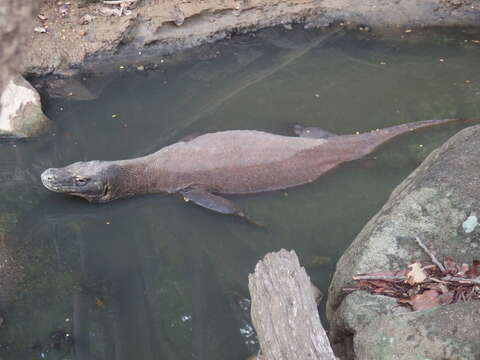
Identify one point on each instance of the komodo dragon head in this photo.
(90, 180)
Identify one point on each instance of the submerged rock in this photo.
(433, 203)
(21, 110)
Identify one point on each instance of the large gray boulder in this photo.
(437, 203)
(21, 110)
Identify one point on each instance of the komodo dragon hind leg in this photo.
(202, 197)
(312, 132)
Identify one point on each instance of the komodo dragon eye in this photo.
(80, 180)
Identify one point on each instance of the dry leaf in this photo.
(416, 275)
(427, 300)
(439, 287)
(99, 303)
(473, 271)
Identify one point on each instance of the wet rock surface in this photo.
(21, 110)
(433, 203)
(68, 33)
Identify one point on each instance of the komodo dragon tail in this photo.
(376, 138)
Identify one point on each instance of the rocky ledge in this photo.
(68, 32)
(436, 203)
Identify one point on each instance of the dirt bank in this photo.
(68, 32)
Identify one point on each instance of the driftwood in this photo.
(284, 312)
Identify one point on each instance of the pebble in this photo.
(86, 19)
(40, 29)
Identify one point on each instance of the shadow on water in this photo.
(155, 278)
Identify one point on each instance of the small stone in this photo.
(140, 68)
(287, 26)
(179, 21)
(40, 29)
(86, 19)
(110, 12)
(42, 17)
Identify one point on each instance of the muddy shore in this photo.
(67, 33)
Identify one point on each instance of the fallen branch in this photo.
(462, 280)
(380, 277)
(425, 287)
(429, 253)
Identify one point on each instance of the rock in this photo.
(86, 19)
(70, 87)
(21, 110)
(40, 29)
(445, 332)
(110, 12)
(433, 203)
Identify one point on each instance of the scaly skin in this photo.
(227, 162)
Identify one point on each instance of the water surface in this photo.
(155, 278)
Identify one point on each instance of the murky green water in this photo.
(155, 278)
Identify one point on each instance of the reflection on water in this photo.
(154, 278)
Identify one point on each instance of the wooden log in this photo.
(284, 312)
